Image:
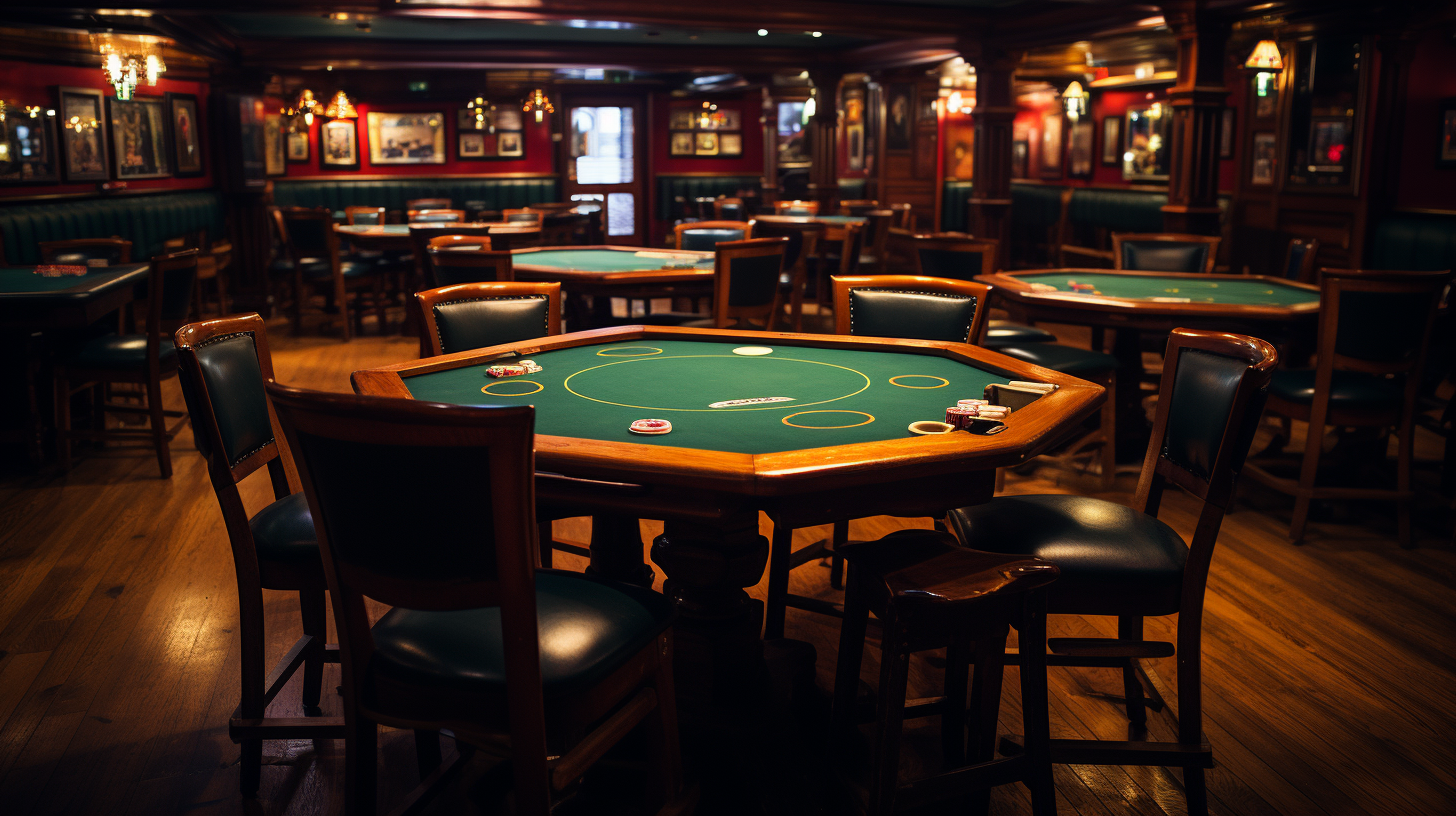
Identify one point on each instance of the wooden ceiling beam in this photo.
(300, 54)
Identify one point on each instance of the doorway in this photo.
(603, 164)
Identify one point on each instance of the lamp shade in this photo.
(341, 108)
(1265, 57)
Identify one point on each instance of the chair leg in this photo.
(990, 658)
(851, 654)
(360, 772)
(662, 730)
(1034, 710)
(252, 673)
(63, 420)
(427, 751)
(1309, 468)
(1109, 433)
(889, 719)
(1131, 628)
(315, 624)
(1190, 703)
(544, 537)
(953, 714)
(836, 561)
(778, 580)
(159, 427)
(1404, 455)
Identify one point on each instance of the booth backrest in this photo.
(955, 209)
(1035, 206)
(1414, 241)
(1116, 210)
(852, 188)
(393, 194)
(145, 220)
(672, 189)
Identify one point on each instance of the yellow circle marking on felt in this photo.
(869, 418)
(943, 381)
(776, 407)
(753, 351)
(485, 389)
(648, 351)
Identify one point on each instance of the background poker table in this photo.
(31, 301)
(591, 274)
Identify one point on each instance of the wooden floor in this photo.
(1330, 667)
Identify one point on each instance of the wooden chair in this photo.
(1124, 562)
(79, 251)
(449, 263)
(1374, 336)
(876, 241)
(804, 236)
(906, 213)
(522, 215)
(796, 207)
(858, 206)
(745, 287)
(146, 360)
(954, 256)
(729, 208)
(368, 216)
(468, 316)
(315, 262)
(213, 265)
(557, 666)
(705, 235)
(1299, 259)
(440, 216)
(224, 363)
(927, 593)
(1164, 251)
(429, 204)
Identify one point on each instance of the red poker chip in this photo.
(650, 426)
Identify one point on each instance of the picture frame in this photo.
(681, 143)
(1262, 158)
(854, 145)
(474, 145)
(1146, 154)
(81, 114)
(1329, 144)
(339, 145)
(184, 130)
(724, 119)
(296, 147)
(898, 114)
(406, 138)
(510, 144)
(139, 137)
(731, 144)
(1226, 134)
(1267, 105)
(705, 144)
(1446, 145)
(1020, 153)
(508, 119)
(1112, 141)
(680, 119)
(1051, 145)
(32, 154)
(1079, 150)
(274, 163)
(927, 107)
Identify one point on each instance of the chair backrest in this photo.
(704, 235)
(307, 233)
(421, 234)
(441, 216)
(1299, 259)
(906, 214)
(728, 208)
(445, 266)
(80, 250)
(429, 204)
(366, 216)
(804, 235)
(459, 240)
(796, 207)
(857, 206)
(912, 307)
(1378, 322)
(523, 215)
(169, 291)
(877, 231)
(746, 280)
(475, 315)
(368, 463)
(850, 248)
(957, 257)
(1164, 252)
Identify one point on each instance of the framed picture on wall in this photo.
(898, 111)
(1079, 150)
(139, 138)
(1261, 160)
(1226, 134)
(706, 144)
(339, 145)
(406, 138)
(730, 144)
(471, 144)
(681, 144)
(510, 144)
(1020, 151)
(1112, 140)
(854, 145)
(273, 161)
(296, 146)
(30, 150)
(84, 154)
(186, 134)
(680, 119)
(1446, 147)
(1051, 144)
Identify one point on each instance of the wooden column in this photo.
(1197, 102)
(768, 122)
(245, 200)
(994, 114)
(824, 140)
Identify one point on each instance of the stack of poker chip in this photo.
(964, 411)
(523, 367)
(650, 427)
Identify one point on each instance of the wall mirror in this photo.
(1145, 153)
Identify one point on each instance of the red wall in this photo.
(539, 158)
(1432, 79)
(25, 83)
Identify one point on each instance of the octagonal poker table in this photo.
(589, 275)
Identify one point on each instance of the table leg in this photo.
(616, 550)
(1132, 422)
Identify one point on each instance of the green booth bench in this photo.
(674, 191)
(955, 206)
(489, 192)
(147, 220)
(1414, 241)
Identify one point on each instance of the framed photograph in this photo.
(1020, 152)
(1329, 144)
(339, 145)
(681, 119)
(1051, 145)
(186, 133)
(682, 144)
(83, 134)
(1079, 150)
(1112, 140)
(510, 145)
(465, 119)
(296, 146)
(273, 160)
(1261, 161)
(1446, 150)
(1226, 135)
(471, 144)
(927, 107)
(731, 144)
(854, 145)
(897, 116)
(706, 144)
(1146, 155)
(406, 138)
(853, 105)
(507, 119)
(1267, 105)
(139, 138)
(29, 150)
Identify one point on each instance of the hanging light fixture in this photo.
(481, 114)
(340, 107)
(1075, 100)
(125, 63)
(306, 106)
(1266, 60)
(538, 102)
(705, 117)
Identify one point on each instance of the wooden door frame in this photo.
(641, 169)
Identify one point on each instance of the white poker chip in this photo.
(753, 351)
(650, 427)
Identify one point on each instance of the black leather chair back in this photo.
(705, 240)
(1164, 256)
(481, 322)
(368, 219)
(1385, 327)
(793, 232)
(752, 281)
(731, 212)
(1297, 251)
(435, 218)
(911, 315)
(1203, 398)
(234, 402)
(947, 263)
(308, 233)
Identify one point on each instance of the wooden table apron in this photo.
(396, 237)
(709, 501)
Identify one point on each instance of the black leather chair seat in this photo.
(351, 269)
(1066, 359)
(1348, 389)
(283, 532)
(1002, 333)
(118, 352)
(588, 627)
(708, 239)
(1114, 560)
(312, 267)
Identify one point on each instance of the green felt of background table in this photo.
(1143, 287)
(374, 229)
(601, 260)
(589, 392)
(841, 219)
(17, 280)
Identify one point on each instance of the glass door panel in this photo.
(603, 166)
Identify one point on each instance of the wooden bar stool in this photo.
(928, 593)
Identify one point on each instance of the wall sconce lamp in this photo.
(1075, 100)
(1264, 59)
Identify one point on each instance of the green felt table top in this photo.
(841, 219)
(1143, 287)
(606, 260)
(24, 281)
(596, 392)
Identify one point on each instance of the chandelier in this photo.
(125, 63)
(341, 108)
(480, 112)
(305, 106)
(539, 103)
